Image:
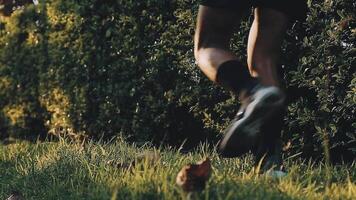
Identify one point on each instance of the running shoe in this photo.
(243, 132)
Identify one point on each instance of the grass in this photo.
(65, 170)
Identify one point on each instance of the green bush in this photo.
(126, 67)
(326, 68)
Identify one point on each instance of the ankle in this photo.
(235, 77)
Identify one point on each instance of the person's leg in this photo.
(266, 100)
(213, 33)
(212, 41)
(264, 44)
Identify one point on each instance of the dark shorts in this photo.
(296, 9)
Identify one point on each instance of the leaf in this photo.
(15, 196)
(193, 177)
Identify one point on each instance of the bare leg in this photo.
(212, 38)
(265, 39)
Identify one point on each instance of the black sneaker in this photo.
(243, 132)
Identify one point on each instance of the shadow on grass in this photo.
(251, 189)
(61, 180)
(58, 180)
(65, 179)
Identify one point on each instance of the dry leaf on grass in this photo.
(193, 177)
(15, 196)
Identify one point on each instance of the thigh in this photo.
(294, 9)
(227, 4)
(215, 24)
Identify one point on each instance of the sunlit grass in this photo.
(117, 170)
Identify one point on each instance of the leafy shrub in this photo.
(325, 69)
(126, 67)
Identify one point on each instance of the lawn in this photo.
(64, 170)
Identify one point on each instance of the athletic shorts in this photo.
(295, 9)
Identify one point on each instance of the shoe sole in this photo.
(242, 135)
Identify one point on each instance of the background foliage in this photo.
(104, 68)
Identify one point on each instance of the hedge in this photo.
(106, 68)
